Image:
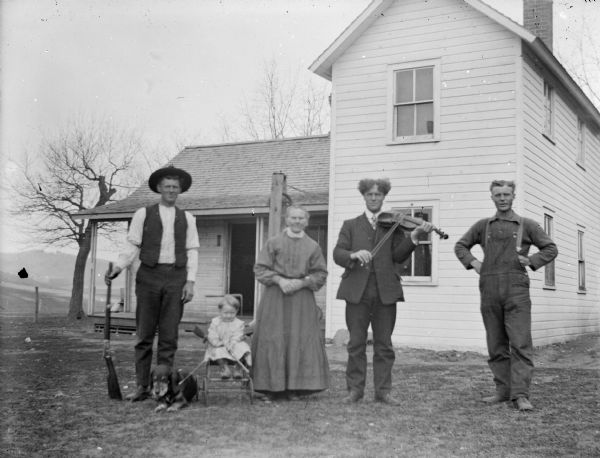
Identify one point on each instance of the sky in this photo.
(171, 69)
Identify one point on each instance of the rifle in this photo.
(114, 392)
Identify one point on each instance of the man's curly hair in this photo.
(383, 185)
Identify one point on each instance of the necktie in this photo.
(374, 222)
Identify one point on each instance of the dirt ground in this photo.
(55, 404)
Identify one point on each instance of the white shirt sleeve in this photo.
(192, 243)
(131, 250)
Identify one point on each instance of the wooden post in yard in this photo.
(278, 189)
(37, 303)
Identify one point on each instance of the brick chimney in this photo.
(537, 18)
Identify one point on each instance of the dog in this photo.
(172, 389)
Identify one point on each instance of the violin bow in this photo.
(386, 236)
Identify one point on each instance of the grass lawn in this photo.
(55, 404)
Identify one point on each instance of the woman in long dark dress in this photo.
(287, 346)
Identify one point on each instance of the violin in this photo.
(399, 219)
(394, 220)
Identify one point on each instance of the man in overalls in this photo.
(504, 285)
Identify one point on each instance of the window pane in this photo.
(319, 235)
(424, 84)
(404, 86)
(581, 275)
(405, 120)
(549, 274)
(423, 260)
(425, 119)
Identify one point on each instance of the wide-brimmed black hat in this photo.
(185, 179)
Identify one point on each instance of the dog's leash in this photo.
(191, 373)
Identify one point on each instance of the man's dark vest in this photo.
(152, 236)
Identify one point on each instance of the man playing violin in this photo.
(504, 285)
(371, 287)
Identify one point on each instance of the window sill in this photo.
(412, 140)
(549, 288)
(549, 138)
(580, 165)
(409, 282)
(581, 291)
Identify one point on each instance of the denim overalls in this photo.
(506, 309)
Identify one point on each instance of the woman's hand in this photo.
(289, 286)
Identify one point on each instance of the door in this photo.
(241, 264)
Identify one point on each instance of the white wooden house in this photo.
(442, 97)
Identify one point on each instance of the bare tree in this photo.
(86, 165)
(281, 107)
(582, 56)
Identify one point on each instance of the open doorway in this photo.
(241, 264)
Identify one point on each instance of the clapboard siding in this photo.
(477, 144)
(556, 185)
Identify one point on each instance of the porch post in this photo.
(128, 283)
(92, 290)
(278, 189)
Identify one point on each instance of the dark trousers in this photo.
(506, 312)
(382, 318)
(158, 290)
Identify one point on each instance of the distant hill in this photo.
(44, 268)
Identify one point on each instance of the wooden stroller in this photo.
(210, 380)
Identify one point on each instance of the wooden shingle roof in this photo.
(235, 178)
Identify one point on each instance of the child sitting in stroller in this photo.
(226, 339)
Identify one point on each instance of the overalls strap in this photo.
(519, 235)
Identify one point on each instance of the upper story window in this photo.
(548, 111)
(549, 269)
(414, 102)
(580, 142)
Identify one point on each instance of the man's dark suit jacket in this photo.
(358, 234)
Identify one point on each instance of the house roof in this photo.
(322, 66)
(235, 178)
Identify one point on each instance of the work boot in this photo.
(388, 399)
(140, 394)
(352, 398)
(523, 404)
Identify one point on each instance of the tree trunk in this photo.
(76, 303)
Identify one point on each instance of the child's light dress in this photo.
(223, 335)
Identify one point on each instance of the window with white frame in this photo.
(419, 266)
(580, 142)
(548, 110)
(414, 102)
(580, 262)
(549, 272)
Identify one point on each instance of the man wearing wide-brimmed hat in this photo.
(165, 240)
